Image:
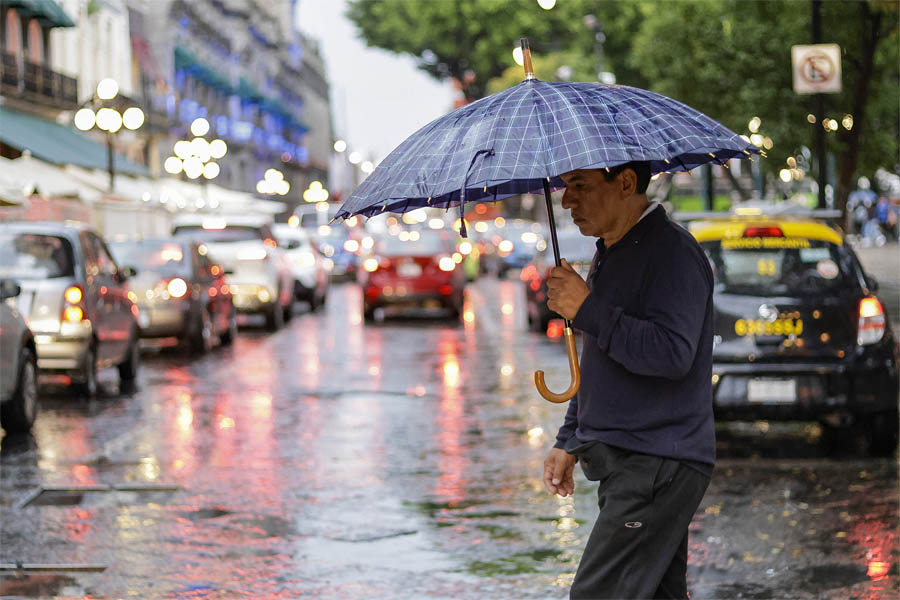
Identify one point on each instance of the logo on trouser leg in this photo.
(633, 524)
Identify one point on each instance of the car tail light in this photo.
(177, 287)
(73, 314)
(445, 290)
(768, 231)
(871, 321)
(73, 294)
(446, 263)
(73, 311)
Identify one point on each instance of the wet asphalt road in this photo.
(398, 460)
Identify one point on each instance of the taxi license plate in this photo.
(409, 270)
(771, 391)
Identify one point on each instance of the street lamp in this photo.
(197, 157)
(273, 182)
(100, 112)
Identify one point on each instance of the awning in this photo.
(57, 143)
(48, 12)
(186, 61)
(33, 176)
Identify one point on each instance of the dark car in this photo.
(18, 364)
(180, 292)
(799, 331)
(414, 268)
(75, 299)
(578, 251)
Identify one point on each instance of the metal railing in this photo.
(35, 82)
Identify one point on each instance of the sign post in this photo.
(817, 71)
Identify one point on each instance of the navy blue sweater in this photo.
(646, 359)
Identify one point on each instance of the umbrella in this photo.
(522, 139)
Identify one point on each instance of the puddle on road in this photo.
(751, 591)
(515, 564)
(201, 514)
(826, 577)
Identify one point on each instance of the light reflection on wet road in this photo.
(335, 459)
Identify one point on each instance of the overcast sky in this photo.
(378, 98)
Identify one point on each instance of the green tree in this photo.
(731, 60)
(728, 58)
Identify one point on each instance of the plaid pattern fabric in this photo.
(507, 143)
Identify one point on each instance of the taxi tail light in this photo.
(73, 311)
(871, 321)
(767, 231)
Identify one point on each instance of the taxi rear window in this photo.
(787, 266)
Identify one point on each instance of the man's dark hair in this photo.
(640, 168)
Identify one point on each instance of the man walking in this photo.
(642, 421)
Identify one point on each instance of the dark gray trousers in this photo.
(638, 546)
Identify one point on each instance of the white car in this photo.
(310, 268)
(256, 268)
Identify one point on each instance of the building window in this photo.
(35, 42)
(13, 37)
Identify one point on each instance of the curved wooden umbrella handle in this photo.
(573, 369)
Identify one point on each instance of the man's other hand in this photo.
(566, 291)
(558, 469)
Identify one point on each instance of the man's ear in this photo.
(628, 182)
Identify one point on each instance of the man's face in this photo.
(595, 204)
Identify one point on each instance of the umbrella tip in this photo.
(526, 59)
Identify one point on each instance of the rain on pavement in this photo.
(336, 459)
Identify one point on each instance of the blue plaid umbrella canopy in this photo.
(511, 142)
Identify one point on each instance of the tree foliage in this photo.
(728, 58)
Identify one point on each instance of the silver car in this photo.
(75, 301)
(18, 365)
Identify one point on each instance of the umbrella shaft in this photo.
(551, 222)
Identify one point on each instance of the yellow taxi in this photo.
(799, 331)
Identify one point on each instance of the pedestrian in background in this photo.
(642, 421)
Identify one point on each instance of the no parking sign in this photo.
(817, 68)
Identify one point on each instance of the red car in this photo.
(415, 268)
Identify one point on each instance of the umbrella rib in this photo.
(581, 133)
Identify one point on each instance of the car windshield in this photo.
(777, 266)
(230, 233)
(35, 256)
(167, 258)
(413, 243)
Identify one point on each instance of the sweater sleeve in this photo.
(663, 341)
(569, 425)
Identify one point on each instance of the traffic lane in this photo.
(350, 461)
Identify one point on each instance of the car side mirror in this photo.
(9, 289)
(871, 283)
(129, 272)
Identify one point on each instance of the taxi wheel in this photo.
(883, 431)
